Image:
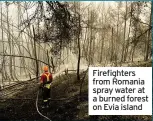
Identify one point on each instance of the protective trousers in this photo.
(46, 96)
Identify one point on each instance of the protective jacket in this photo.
(46, 79)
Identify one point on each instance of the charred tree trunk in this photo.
(3, 61)
(127, 44)
(112, 48)
(35, 53)
(79, 54)
(148, 39)
(123, 47)
(9, 41)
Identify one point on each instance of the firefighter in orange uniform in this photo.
(45, 83)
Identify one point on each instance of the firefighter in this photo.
(45, 84)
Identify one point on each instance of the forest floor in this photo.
(65, 103)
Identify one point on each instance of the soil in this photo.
(18, 108)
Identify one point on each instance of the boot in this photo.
(44, 105)
(47, 104)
